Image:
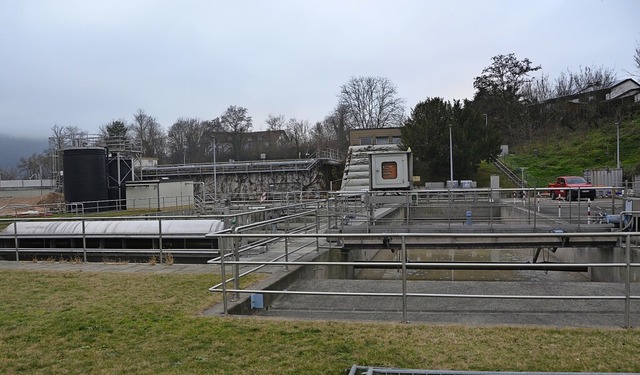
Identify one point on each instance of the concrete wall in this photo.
(252, 185)
(587, 254)
(10, 193)
(602, 255)
(25, 188)
(282, 280)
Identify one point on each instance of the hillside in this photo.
(13, 148)
(570, 153)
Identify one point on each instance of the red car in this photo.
(571, 188)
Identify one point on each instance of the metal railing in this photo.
(376, 370)
(80, 243)
(624, 239)
(532, 209)
(159, 243)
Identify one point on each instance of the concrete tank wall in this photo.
(602, 255)
(586, 254)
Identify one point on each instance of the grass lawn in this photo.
(106, 323)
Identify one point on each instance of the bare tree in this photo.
(299, 136)
(593, 78)
(564, 85)
(36, 166)
(65, 137)
(586, 79)
(337, 125)
(148, 131)
(322, 137)
(8, 173)
(538, 90)
(186, 141)
(237, 122)
(636, 57)
(371, 102)
(275, 122)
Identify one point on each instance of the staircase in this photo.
(201, 206)
(509, 173)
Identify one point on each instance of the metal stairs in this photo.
(509, 173)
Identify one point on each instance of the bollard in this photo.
(559, 210)
(468, 222)
(588, 210)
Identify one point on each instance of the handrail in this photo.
(403, 266)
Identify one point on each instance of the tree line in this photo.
(509, 106)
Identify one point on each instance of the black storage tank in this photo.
(120, 170)
(85, 176)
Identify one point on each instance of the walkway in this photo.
(107, 267)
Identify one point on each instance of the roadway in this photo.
(573, 209)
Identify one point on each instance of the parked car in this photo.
(571, 188)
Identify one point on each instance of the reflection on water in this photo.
(470, 255)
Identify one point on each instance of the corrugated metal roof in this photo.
(356, 171)
(117, 227)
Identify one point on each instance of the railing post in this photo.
(627, 284)
(491, 209)
(84, 242)
(286, 243)
(15, 236)
(236, 269)
(613, 202)
(449, 209)
(317, 228)
(568, 194)
(160, 237)
(579, 212)
(221, 247)
(403, 251)
(536, 203)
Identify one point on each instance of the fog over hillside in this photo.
(13, 148)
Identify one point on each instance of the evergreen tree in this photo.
(426, 132)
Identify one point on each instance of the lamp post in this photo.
(184, 153)
(215, 181)
(618, 145)
(522, 178)
(450, 156)
(486, 126)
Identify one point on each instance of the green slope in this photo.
(570, 153)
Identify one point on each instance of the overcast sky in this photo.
(85, 63)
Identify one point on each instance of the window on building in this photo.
(365, 141)
(382, 140)
(396, 140)
(389, 170)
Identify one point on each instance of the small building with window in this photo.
(377, 136)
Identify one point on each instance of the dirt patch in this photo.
(30, 206)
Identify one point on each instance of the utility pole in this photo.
(215, 182)
(618, 145)
(450, 156)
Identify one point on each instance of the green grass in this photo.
(570, 153)
(102, 323)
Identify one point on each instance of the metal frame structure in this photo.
(117, 147)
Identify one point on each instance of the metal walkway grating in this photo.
(369, 370)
